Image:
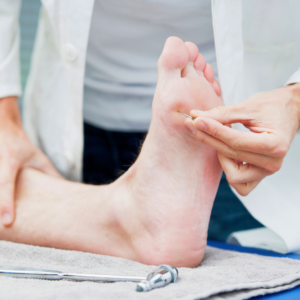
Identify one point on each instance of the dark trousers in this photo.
(107, 154)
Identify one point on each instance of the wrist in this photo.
(9, 110)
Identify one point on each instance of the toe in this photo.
(193, 54)
(200, 63)
(216, 87)
(193, 51)
(209, 73)
(174, 56)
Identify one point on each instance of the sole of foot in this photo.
(174, 181)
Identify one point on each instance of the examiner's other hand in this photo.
(16, 151)
(273, 117)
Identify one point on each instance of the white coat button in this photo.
(69, 52)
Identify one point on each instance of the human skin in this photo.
(16, 151)
(159, 210)
(273, 118)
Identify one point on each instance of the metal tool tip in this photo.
(188, 116)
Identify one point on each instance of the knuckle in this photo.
(274, 166)
(281, 149)
(220, 110)
(238, 144)
(200, 137)
(231, 153)
(266, 146)
(232, 178)
(244, 191)
(215, 132)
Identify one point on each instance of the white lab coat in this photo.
(257, 46)
(258, 49)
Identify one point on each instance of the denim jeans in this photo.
(107, 154)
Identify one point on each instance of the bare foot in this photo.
(175, 179)
(158, 211)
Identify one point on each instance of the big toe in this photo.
(175, 55)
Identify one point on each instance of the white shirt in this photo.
(125, 41)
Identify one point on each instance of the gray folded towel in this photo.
(221, 275)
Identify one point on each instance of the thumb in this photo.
(223, 114)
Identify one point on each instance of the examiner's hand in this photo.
(16, 151)
(273, 117)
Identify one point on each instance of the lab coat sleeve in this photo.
(295, 78)
(10, 83)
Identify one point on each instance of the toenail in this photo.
(201, 125)
(190, 127)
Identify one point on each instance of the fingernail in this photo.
(6, 219)
(190, 127)
(200, 124)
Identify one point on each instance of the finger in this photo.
(8, 173)
(41, 162)
(224, 114)
(241, 173)
(265, 162)
(263, 143)
(244, 189)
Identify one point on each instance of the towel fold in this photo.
(222, 275)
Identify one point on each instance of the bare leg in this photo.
(158, 211)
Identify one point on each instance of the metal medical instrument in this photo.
(160, 277)
(188, 116)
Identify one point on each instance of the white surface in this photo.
(10, 82)
(54, 92)
(260, 56)
(295, 78)
(258, 238)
